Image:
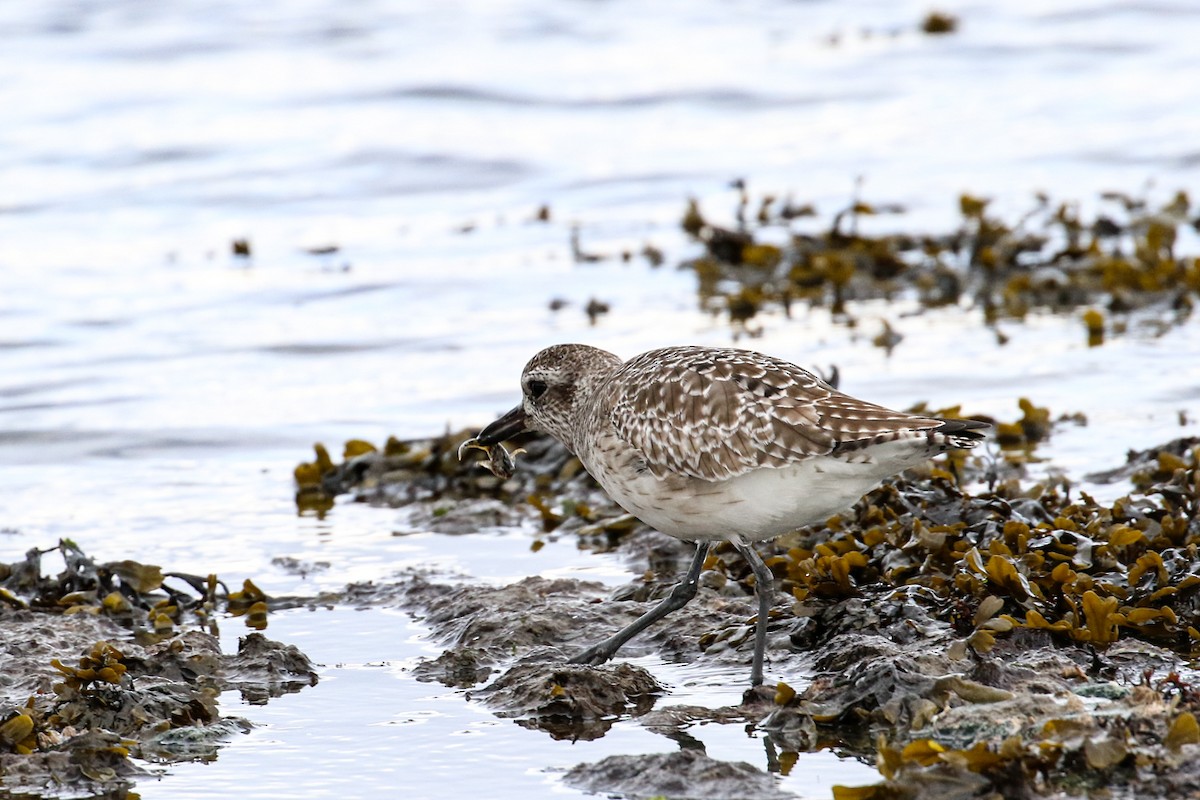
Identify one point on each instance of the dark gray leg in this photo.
(765, 588)
(677, 599)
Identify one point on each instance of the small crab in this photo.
(499, 462)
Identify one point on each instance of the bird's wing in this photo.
(714, 414)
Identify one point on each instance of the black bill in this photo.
(504, 428)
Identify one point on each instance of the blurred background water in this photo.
(386, 162)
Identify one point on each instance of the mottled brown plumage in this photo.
(714, 414)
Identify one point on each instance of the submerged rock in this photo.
(263, 669)
(683, 775)
(459, 668)
(571, 701)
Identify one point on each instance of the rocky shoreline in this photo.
(1018, 638)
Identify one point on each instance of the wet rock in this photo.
(1149, 461)
(410, 590)
(466, 517)
(509, 619)
(867, 678)
(673, 720)
(104, 664)
(952, 727)
(193, 743)
(129, 710)
(263, 669)
(460, 668)
(571, 701)
(186, 658)
(879, 609)
(295, 566)
(29, 640)
(683, 775)
(565, 615)
(156, 702)
(88, 764)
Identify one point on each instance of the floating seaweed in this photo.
(1049, 260)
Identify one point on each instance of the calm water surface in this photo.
(155, 391)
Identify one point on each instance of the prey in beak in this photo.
(500, 462)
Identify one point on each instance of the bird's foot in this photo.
(759, 695)
(593, 656)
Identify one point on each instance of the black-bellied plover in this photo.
(713, 444)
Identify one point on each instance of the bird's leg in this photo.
(765, 588)
(677, 599)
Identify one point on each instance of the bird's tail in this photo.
(958, 433)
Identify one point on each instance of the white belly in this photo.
(758, 505)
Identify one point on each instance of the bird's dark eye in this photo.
(537, 389)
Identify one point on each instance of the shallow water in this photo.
(421, 738)
(156, 391)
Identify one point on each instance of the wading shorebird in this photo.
(714, 444)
